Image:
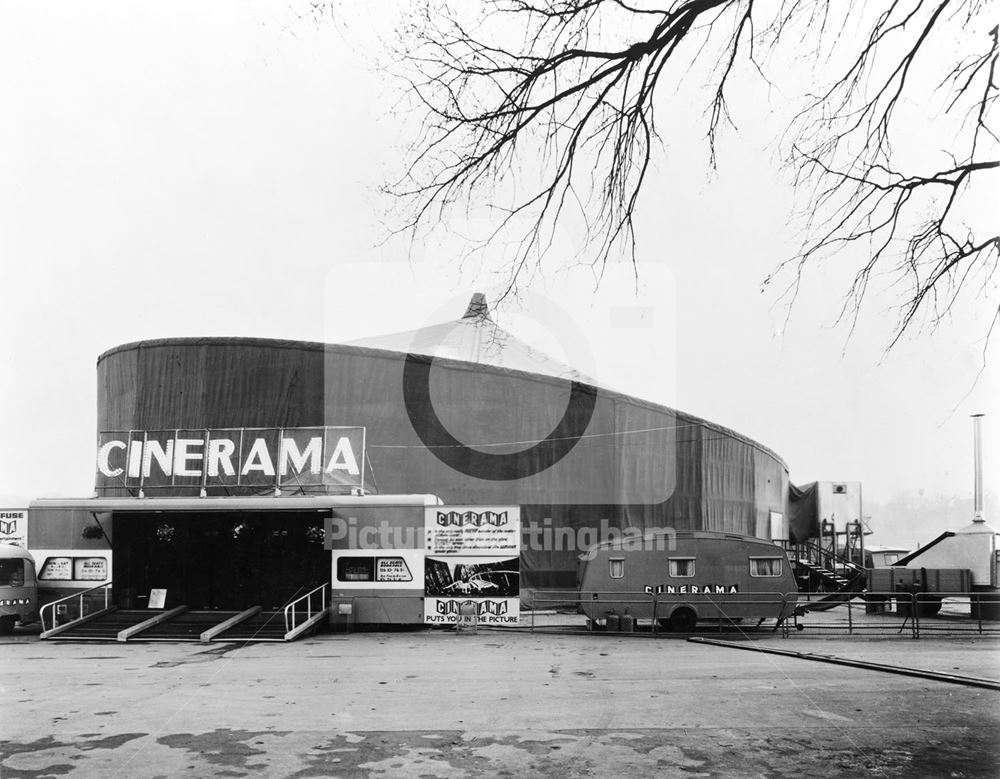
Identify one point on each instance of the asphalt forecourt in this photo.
(441, 703)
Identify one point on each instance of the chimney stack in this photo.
(977, 449)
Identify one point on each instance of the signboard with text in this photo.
(472, 563)
(14, 527)
(251, 458)
(90, 569)
(56, 569)
(67, 568)
(472, 530)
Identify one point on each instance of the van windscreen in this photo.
(11, 573)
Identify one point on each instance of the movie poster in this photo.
(473, 561)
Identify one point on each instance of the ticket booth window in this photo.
(356, 569)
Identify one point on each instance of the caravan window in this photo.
(617, 567)
(681, 566)
(765, 566)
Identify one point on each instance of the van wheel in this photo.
(683, 621)
(7, 625)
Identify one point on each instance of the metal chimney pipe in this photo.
(977, 454)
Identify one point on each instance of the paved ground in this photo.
(435, 703)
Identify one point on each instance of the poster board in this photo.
(472, 558)
(14, 527)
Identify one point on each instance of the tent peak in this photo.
(477, 308)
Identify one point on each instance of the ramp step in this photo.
(106, 627)
(187, 626)
(265, 626)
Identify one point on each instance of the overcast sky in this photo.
(209, 169)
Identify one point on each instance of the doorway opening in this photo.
(218, 560)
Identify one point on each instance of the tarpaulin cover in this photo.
(632, 464)
(803, 511)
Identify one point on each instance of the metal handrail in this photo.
(824, 558)
(51, 606)
(290, 609)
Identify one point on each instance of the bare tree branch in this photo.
(538, 106)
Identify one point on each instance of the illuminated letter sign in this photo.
(234, 458)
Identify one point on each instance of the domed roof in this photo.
(474, 338)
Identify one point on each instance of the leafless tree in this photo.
(542, 106)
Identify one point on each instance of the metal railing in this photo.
(303, 607)
(908, 613)
(825, 558)
(82, 611)
(888, 614)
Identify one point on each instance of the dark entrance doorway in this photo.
(218, 560)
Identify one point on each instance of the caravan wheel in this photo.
(7, 625)
(683, 620)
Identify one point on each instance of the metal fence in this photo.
(905, 614)
(884, 614)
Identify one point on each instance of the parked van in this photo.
(18, 588)
(678, 579)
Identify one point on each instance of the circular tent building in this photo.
(462, 410)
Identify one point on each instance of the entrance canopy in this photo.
(212, 553)
(263, 503)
